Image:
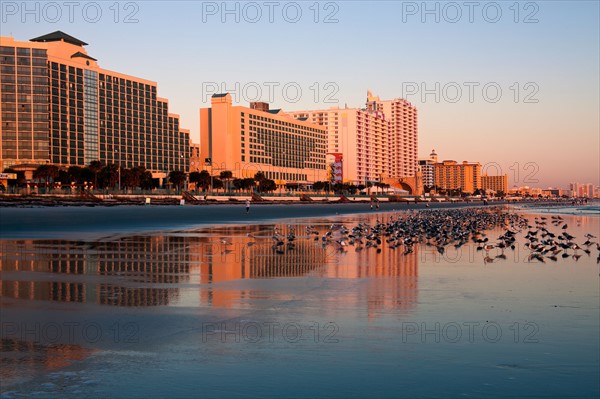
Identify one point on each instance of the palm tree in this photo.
(237, 184)
(109, 175)
(248, 183)
(226, 175)
(200, 179)
(268, 185)
(259, 178)
(46, 172)
(96, 167)
(177, 178)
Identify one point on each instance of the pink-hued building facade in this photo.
(379, 142)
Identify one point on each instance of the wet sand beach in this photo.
(225, 311)
(90, 222)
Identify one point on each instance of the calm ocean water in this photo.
(216, 312)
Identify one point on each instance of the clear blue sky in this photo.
(549, 55)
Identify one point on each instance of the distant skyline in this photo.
(543, 129)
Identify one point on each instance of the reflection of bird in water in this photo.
(442, 228)
(536, 256)
(224, 243)
(488, 259)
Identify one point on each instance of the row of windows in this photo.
(126, 106)
(285, 136)
(25, 145)
(23, 98)
(288, 127)
(125, 82)
(111, 91)
(277, 122)
(25, 136)
(12, 116)
(24, 79)
(23, 70)
(13, 107)
(142, 142)
(122, 152)
(64, 69)
(25, 86)
(62, 77)
(6, 50)
(22, 61)
(24, 154)
(285, 176)
(24, 125)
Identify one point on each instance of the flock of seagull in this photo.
(444, 228)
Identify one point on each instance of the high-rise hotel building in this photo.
(246, 140)
(59, 107)
(451, 175)
(379, 142)
(495, 183)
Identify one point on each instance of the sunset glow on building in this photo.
(247, 140)
(378, 142)
(451, 175)
(60, 107)
(495, 183)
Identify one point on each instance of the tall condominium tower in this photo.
(377, 143)
(60, 107)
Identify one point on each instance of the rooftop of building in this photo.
(59, 36)
(261, 107)
(82, 55)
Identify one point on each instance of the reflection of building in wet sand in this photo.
(304, 258)
(141, 261)
(392, 277)
(238, 260)
(21, 359)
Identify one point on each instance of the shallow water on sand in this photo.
(216, 312)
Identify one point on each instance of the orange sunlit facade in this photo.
(60, 107)
(247, 140)
(495, 183)
(451, 175)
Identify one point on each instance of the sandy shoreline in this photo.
(93, 222)
(75, 222)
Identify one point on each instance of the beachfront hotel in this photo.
(495, 183)
(451, 175)
(247, 140)
(583, 190)
(378, 143)
(60, 107)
